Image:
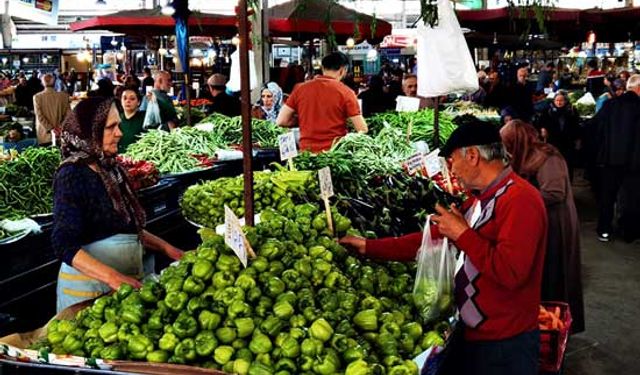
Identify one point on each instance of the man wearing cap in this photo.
(502, 236)
(323, 106)
(223, 103)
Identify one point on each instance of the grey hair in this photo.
(490, 152)
(633, 82)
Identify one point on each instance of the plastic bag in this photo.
(234, 78)
(587, 99)
(433, 288)
(445, 65)
(152, 118)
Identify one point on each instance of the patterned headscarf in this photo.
(82, 135)
(523, 144)
(276, 91)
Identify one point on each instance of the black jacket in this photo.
(615, 133)
(563, 127)
(224, 104)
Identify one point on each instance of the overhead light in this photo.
(114, 42)
(495, 38)
(168, 9)
(372, 55)
(139, 55)
(351, 43)
(162, 51)
(4, 61)
(123, 48)
(25, 60)
(45, 60)
(235, 41)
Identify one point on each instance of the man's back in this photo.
(51, 108)
(323, 105)
(617, 124)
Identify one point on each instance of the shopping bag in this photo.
(444, 62)
(433, 288)
(152, 118)
(234, 78)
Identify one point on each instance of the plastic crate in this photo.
(554, 343)
(160, 199)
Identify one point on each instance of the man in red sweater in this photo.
(497, 290)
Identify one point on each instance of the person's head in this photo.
(482, 77)
(147, 72)
(162, 81)
(618, 87)
(336, 65)
(217, 83)
(15, 133)
(633, 84)
(130, 100)
(105, 88)
(22, 81)
(376, 83)
(494, 78)
(410, 85)
(507, 114)
(48, 80)
(130, 81)
(608, 80)
(592, 64)
(551, 65)
(624, 75)
(560, 100)
(525, 149)
(523, 74)
(475, 154)
(92, 128)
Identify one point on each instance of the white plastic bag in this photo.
(433, 288)
(445, 65)
(587, 99)
(152, 118)
(234, 79)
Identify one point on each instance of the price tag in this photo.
(288, 148)
(234, 236)
(433, 163)
(196, 85)
(407, 104)
(326, 185)
(415, 163)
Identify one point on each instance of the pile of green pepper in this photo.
(303, 306)
(204, 203)
(26, 183)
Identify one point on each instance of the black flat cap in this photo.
(474, 133)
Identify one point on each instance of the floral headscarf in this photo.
(276, 91)
(82, 134)
(526, 150)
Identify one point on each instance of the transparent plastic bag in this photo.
(433, 288)
(152, 118)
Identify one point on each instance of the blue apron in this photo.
(122, 252)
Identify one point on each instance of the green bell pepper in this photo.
(206, 342)
(290, 347)
(358, 367)
(209, 320)
(327, 364)
(123, 292)
(272, 325)
(158, 356)
(241, 366)
(108, 332)
(176, 301)
(202, 269)
(223, 354)
(260, 343)
(185, 326)
(366, 320)
(222, 280)
(244, 326)
(354, 353)
(185, 351)
(283, 310)
(226, 335)
(311, 347)
(168, 342)
(112, 352)
(151, 292)
(71, 343)
(193, 286)
(126, 331)
(139, 346)
(274, 287)
(321, 330)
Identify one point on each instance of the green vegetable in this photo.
(208, 320)
(158, 356)
(205, 343)
(185, 351)
(321, 330)
(223, 354)
(367, 320)
(139, 346)
(168, 342)
(260, 343)
(176, 301)
(108, 332)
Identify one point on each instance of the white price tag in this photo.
(234, 236)
(407, 104)
(196, 85)
(433, 163)
(288, 148)
(415, 163)
(326, 185)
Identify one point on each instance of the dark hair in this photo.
(147, 70)
(105, 88)
(130, 88)
(551, 65)
(17, 127)
(593, 64)
(335, 61)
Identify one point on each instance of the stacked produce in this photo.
(417, 126)
(303, 306)
(204, 203)
(462, 107)
(370, 183)
(26, 183)
(175, 151)
(229, 130)
(141, 173)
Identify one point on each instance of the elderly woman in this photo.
(98, 230)
(269, 104)
(543, 165)
(131, 119)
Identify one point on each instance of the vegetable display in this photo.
(228, 130)
(175, 151)
(371, 185)
(204, 203)
(585, 110)
(303, 306)
(141, 173)
(417, 126)
(26, 183)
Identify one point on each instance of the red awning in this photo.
(151, 22)
(303, 20)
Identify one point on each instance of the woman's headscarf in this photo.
(523, 144)
(276, 91)
(81, 143)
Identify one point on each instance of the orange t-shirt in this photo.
(323, 106)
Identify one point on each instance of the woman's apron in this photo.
(122, 252)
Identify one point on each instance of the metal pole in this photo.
(247, 147)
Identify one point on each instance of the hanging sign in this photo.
(326, 185)
(288, 148)
(407, 104)
(433, 163)
(40, 11)
(234, 236)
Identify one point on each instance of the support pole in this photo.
(247, 147)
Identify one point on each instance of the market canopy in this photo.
(305, 20)
(151, 22)
(566, 25)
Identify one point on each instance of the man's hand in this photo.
(354, 243)
(451, 224)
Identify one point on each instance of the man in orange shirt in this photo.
(323, 105)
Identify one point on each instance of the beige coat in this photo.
(50, 107)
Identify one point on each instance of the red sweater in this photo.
(498, 289)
